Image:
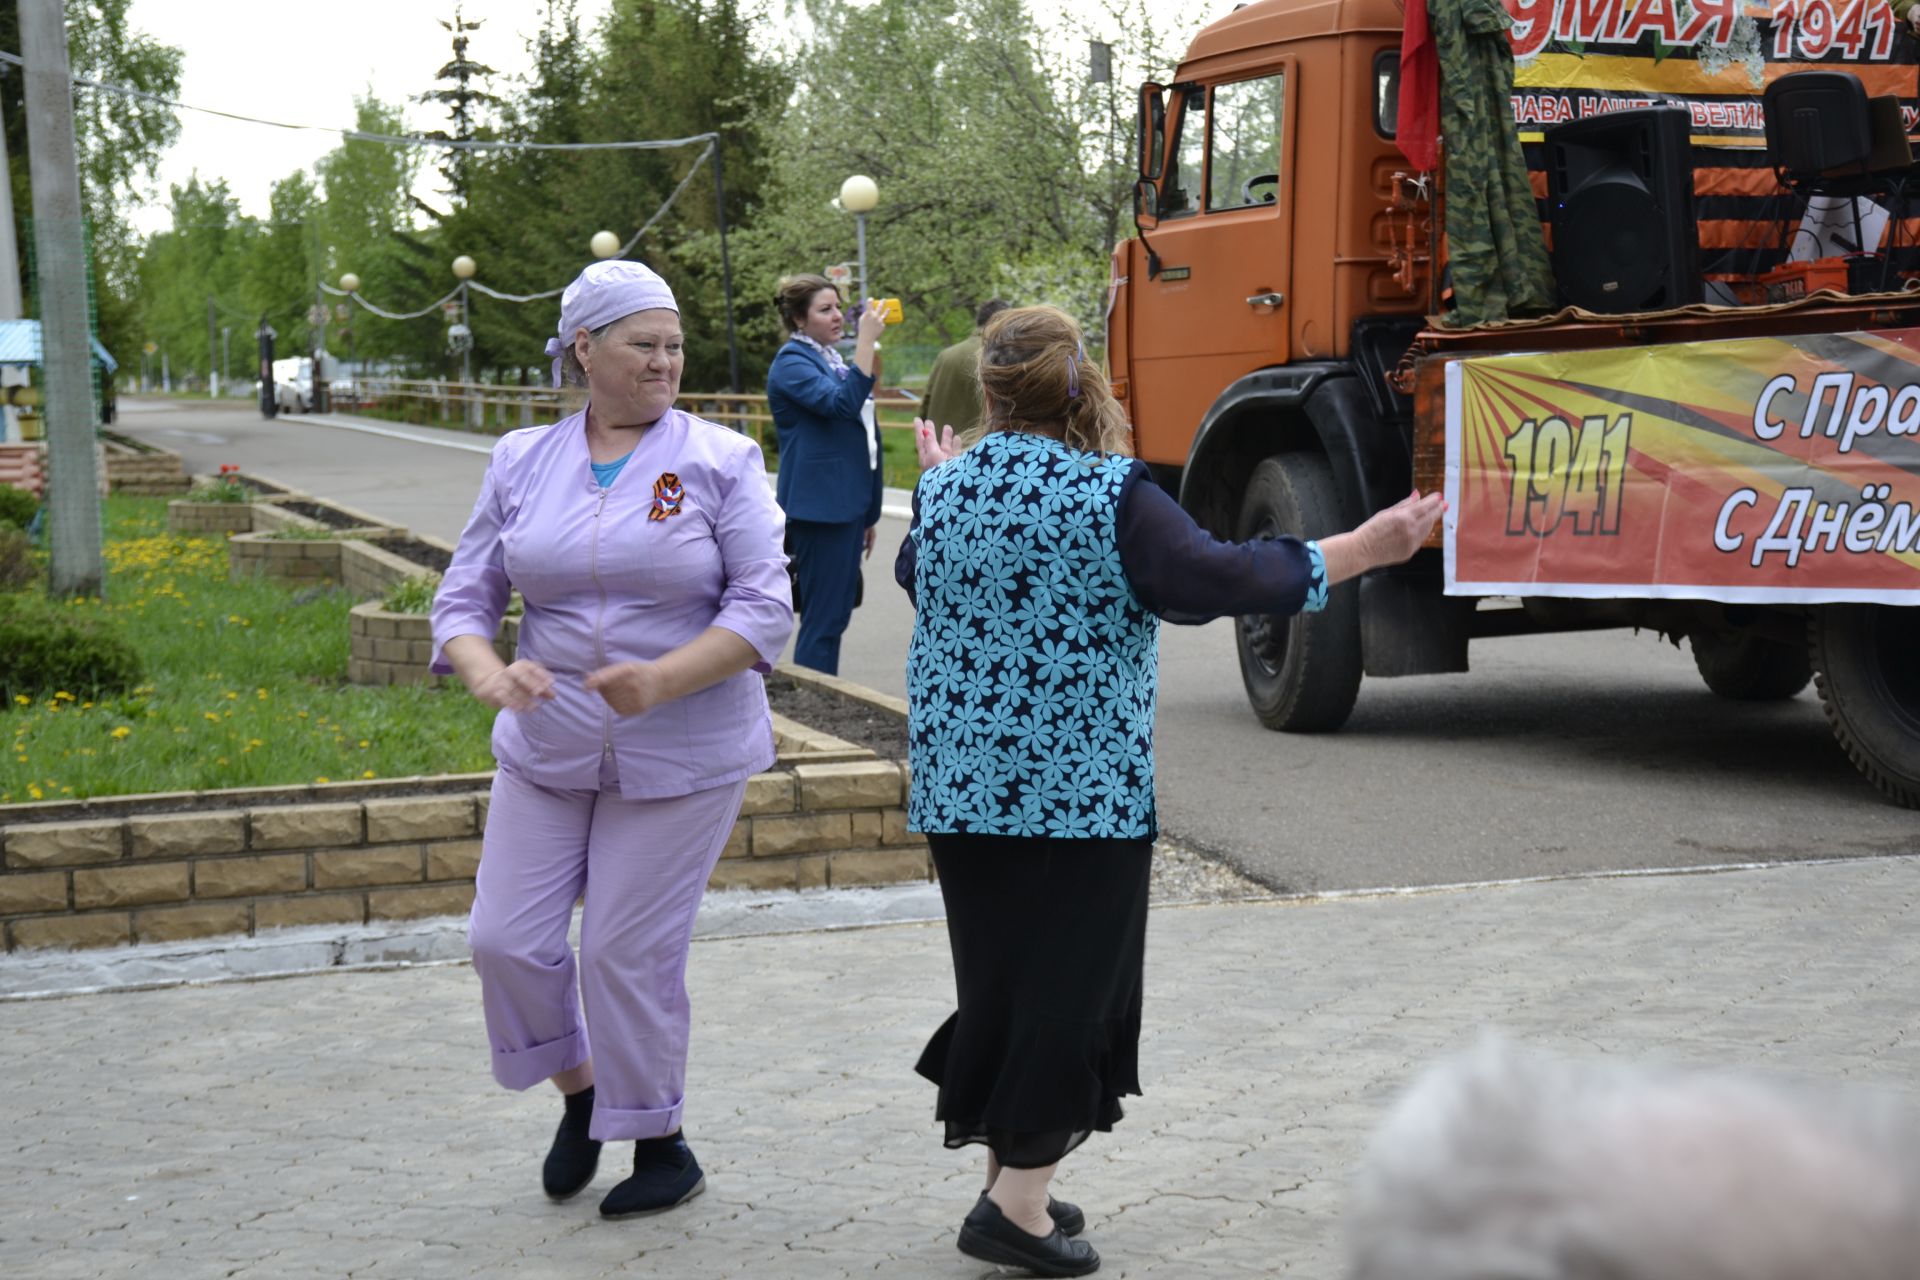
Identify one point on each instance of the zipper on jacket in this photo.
(600, 623)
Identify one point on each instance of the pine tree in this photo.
(463, 100)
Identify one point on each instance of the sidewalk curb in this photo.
(434, 943)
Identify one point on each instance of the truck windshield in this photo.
(1181, 191)
(1244, 168)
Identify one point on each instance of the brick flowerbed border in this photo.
(121, 875)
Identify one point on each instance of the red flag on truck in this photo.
(1417, 127)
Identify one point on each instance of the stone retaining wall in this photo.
(117, 871)
(293, 560)
(369, 570)
(206, 519)
(142, 470)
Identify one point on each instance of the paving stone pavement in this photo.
(344, 1124)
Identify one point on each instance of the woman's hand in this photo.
(867, 325)
(1394, 534)
(933, 450)
(516, 687)
(630, 687)
(867, 539)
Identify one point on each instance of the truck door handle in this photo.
(1267, 300)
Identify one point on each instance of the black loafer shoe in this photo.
(987, 1235)
(574, 1157)
(1065, 1216)
(665, 1174)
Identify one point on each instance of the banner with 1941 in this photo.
(1781, 470)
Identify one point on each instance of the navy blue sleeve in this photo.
(1186, 575)
(908, 558)
(807, 383)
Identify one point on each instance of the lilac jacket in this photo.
(604, 581)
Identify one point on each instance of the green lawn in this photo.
(245, 686)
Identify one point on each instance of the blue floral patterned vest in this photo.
(1032, 673)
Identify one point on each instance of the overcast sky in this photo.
(308, 71)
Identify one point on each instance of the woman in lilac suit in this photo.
(646, 545)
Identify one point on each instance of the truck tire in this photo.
(1302, 674)
(1749, 668)
(1869, 685)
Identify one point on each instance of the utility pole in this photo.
(11, 375)
(73, 487)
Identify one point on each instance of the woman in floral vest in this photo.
(1041, 561)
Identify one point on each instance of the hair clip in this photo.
(1073, 378)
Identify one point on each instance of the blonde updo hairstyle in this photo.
(794, 295)
(1036, 377)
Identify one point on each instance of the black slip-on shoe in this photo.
(573, 1157)
(1065, 1216)
(987, 1235)
(665, 1174)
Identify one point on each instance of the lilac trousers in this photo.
(642, 866)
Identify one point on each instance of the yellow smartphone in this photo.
(890, 311)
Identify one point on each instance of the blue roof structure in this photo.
(20, 344)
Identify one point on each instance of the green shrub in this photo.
(17, 507)
(43, 652)
(19, 567)
(224, 489)
(412, 595)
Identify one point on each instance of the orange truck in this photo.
(1743, 475)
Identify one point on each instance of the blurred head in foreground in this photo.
(1508, 1165)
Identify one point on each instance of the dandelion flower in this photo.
(121, 732)
(323, 778)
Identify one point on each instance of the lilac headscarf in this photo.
(603, 293)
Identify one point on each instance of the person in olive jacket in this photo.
(830, 473)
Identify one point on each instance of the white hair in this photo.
(1504, 1165)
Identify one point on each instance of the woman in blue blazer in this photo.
(830, 474)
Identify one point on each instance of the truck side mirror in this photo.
(1153, 130)
(1146, 205)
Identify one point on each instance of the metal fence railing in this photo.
(493, 407)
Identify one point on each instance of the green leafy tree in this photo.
(366, 205)
(119, 140)
(201, 258)
(529, 215)
(1003, 171)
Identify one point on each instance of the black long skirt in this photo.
(1049, 942)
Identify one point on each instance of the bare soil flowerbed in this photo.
(319, 511)
(424, 554)
(849, 719)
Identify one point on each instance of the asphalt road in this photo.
(1555, 754)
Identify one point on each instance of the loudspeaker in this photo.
(1620, 192)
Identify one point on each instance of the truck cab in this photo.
(1274, 338)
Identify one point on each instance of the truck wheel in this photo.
(1750, 668)
(1302, 673)
(1869, 685)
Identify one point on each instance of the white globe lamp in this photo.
(859, 194)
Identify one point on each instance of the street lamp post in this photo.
(463, 271)
(350, 284)
(269, 394)
(858, 196)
